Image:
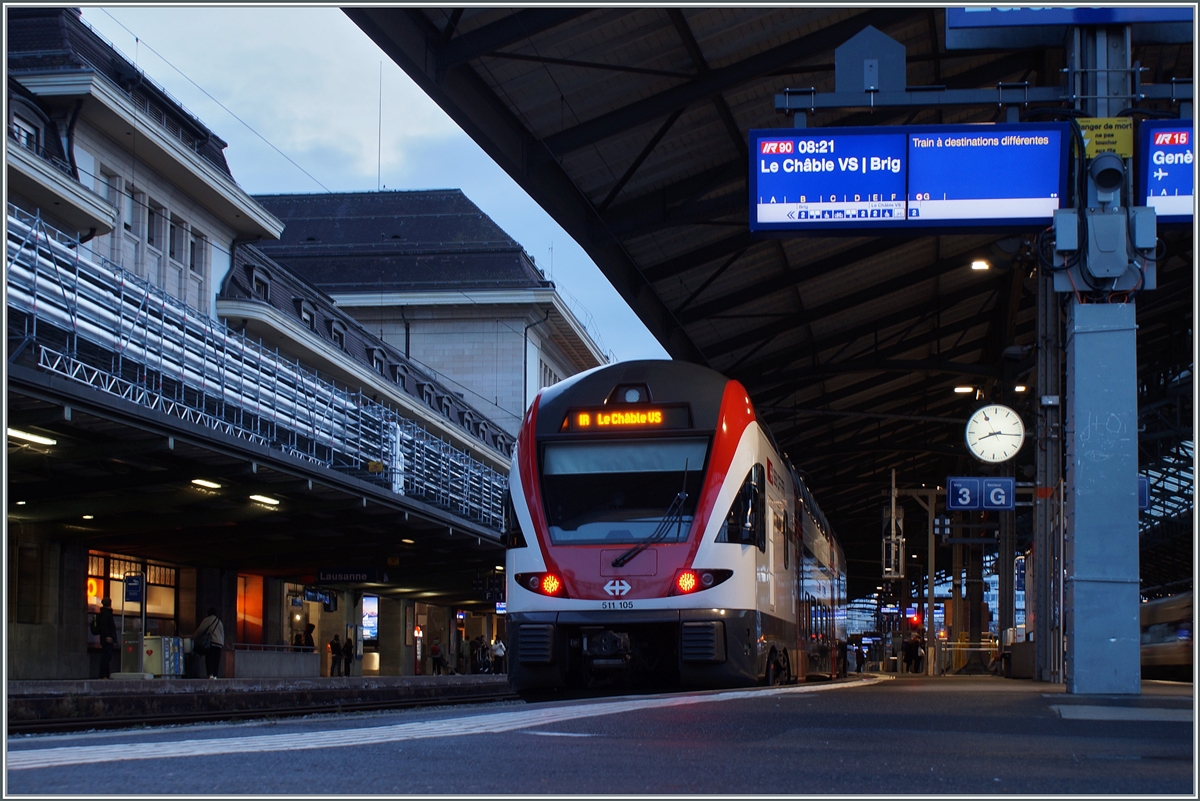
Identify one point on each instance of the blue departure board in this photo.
(899, 178)
(1166, 169)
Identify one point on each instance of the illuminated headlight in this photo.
(689, 580)
(542, 583)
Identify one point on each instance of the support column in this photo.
(1046, 573)
(1101, 590)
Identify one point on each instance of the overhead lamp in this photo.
(408, 542)
(20, 503)
(1019, 388)
(265, 499)
(500, 568)
(963, 390)
(89, 517)
(980, 264)
(37, 439)
(204, 482)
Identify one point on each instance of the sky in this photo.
(296, 93)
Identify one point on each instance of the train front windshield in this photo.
(602, 492)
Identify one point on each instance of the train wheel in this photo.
(777, 670)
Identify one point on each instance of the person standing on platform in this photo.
(309, 642)
(348, 655)
(213, 630)
(862, 657)
(918, 653)
(105, 626)
(335, 651)
(498, 652)
(439, 659)
(464, 655)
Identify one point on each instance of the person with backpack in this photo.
(439, 658)
(209, 640)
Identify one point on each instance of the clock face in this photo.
(995, 433)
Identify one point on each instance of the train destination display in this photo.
(981, 176)
(1166, 163)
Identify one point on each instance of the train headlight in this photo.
(542, 583)
(688, 581)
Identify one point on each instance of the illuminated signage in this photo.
(900, 178)
(1166, 164)
(629, 418)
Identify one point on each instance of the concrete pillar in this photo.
(1101, 589)
(395, 654)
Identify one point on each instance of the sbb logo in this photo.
(1171, 138)
(784, 146)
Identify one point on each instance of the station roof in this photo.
(630, 126)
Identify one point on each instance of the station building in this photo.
(440, 280)
(159, 364)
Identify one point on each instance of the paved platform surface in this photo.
(875, 736)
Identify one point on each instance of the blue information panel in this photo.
(977, 176)
(965, 493)
(1166, 165)
(993, 17)
(962, 494)
(134, 589)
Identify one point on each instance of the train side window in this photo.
(746, 523)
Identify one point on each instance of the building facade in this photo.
(433, 275)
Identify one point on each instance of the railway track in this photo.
(71, 724)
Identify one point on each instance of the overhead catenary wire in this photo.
(207, 94)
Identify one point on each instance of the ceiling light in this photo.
(980, 264)
(35, 438)
(1019, 388)
(500, 568)
(407, 542)
(204, 482)
(265, 499)
(89, 517)
(963, 390)
(20, 503)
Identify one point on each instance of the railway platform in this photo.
(93, 703)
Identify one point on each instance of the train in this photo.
(1167, 647)
(655, 535)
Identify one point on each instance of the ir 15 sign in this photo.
(964, 493)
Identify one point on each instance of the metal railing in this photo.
(93, 322)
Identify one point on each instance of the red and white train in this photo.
(657, 536)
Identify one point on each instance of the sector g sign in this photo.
(977, 176)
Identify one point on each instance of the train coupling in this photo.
(606, 650)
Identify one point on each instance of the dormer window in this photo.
(379, 361)
(402, 376)
(447, 407)
(337, 332)
(308, 314)
(260, 282)
(25, 132)
(428, 395)
(468, 421)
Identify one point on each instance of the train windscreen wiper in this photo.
(673, 517)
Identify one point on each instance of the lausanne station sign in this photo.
(901, 178)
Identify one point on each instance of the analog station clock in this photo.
(995, 433)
